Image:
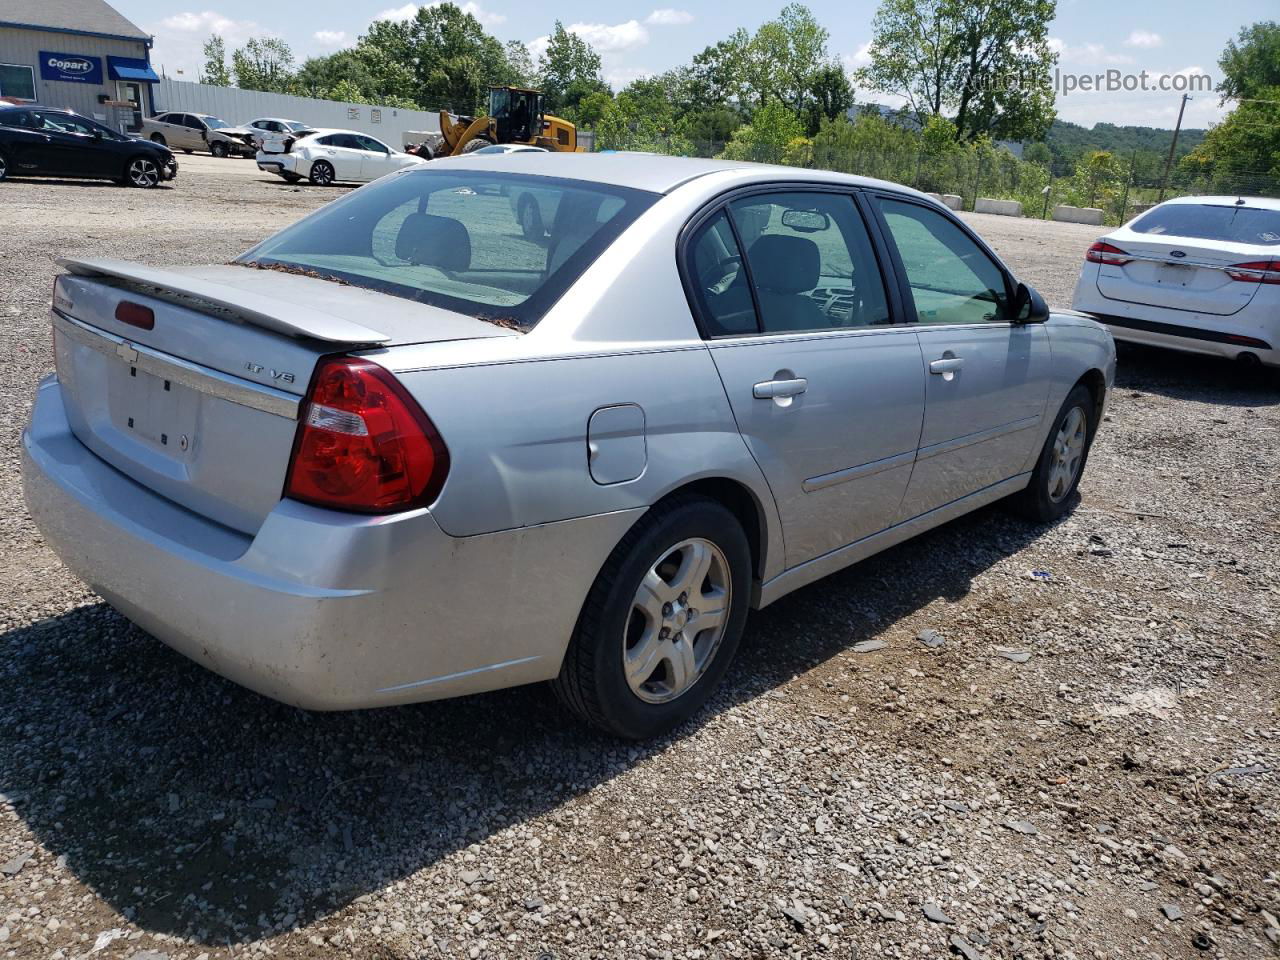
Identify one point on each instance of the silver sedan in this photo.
(409, 448)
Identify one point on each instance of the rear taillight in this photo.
(1102, 252)
(135, 315)
(1257, 271)
(363, 443)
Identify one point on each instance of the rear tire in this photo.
(1062, 460)
(185, 150)
(322, 173)
(530, 218)
(218, 149)
(622, 672)
(290, 177)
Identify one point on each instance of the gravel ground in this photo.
(1060, 742)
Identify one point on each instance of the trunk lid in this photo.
(1177, 274)
(202, 407)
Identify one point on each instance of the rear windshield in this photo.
(1205, 222)
(495, 245)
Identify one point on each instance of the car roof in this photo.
(1265, 203)
(654, 173)
(325, 131)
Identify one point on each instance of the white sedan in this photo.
(1198, 274)
(331, 156)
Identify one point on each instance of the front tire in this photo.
(142, 172)
(218, 149)
(321, 173)
(1062, 460)
(158, 138)
(4, 168)
(662, 621)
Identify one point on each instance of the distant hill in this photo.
(1067, 141)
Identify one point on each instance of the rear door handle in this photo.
(946, 365)
(776, 389)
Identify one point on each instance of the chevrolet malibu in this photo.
(403, 450)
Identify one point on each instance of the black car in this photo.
(44, 142)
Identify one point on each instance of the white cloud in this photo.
(330, 38)
(179, 39)
(1086, 54)
(605, 38)
(410, 10)
(622, 76)
(668, 17)
(859, 58)
(1144, 38)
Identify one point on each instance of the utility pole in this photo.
(1168, 164)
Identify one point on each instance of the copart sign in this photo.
(70, 67)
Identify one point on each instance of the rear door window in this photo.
(811, 262)
(1203, 221)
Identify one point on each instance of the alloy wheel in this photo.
(678, 618)
(4, 167)
(322, 174)
(1068, 453)
(143, 173)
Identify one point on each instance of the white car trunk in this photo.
(1178, 274)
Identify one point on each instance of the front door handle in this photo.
(778, 389)
(946, 365)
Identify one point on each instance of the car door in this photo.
(69, 146)
(342, 152)
(194, 133)
(987, 378)
(375, 159)
(24, 141)
(824, 379)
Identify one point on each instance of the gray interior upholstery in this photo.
(785, 269)
(434, 241)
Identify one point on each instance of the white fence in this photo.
(240, 106)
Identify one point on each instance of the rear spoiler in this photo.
(269, 313)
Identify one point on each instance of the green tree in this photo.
(568, 70)
(265, 64)
(1251, 62)
(1241, 155)
(830, 95)
(783, 57)
(593, 108)
(766, 139)
(1039, 153)
(718, 73)
(985, 62)
(215, 71)
(319, 76)
(520, 60)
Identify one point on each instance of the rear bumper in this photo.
(319, 609)
(1253, 330)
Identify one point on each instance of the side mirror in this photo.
(1028, 306)
(97, 134)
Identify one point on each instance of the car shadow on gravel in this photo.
(197, 808)
(1186, 376)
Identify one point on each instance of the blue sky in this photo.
(636, 38)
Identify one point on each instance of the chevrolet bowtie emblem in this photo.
(126, 352)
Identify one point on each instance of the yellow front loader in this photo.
(515, 116)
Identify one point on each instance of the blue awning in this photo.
(131, 68)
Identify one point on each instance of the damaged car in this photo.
(190, 132)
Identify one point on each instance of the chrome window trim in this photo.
(202, 379)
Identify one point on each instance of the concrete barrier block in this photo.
(953, 200)
(1069, 214)
(1002, 208)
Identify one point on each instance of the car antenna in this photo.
(1240, 202)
